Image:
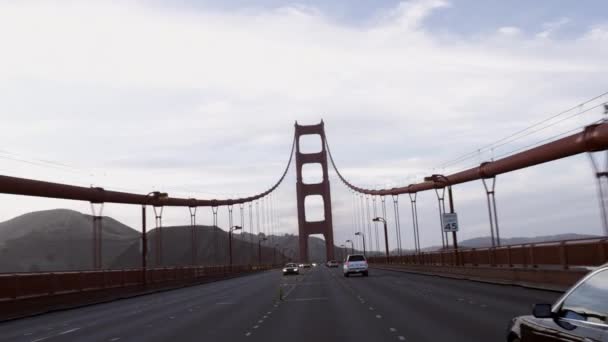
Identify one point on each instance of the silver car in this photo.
(355, 264)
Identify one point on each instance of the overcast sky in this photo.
(199, 98)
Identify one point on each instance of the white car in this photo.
(355, 263)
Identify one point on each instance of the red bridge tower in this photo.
(303, 190)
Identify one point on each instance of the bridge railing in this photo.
(14, 286)
(562, 254)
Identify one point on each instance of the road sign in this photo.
(450, 222)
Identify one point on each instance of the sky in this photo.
(199, 99)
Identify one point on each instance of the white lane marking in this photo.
(224, 303)
(261, 321)
(460, 299)
(371, 308)
(269, 312)
(401, 338)
(247, 333)
(171, 317)
(256, 326)
(40, 339)
(115, 339)
(68, 331)
(392, 329)
(27, 334)
(378, 316)
(265, 316)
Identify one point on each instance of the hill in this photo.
(58, 240)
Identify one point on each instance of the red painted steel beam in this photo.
(592, 138)
(30, 187)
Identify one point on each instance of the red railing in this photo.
(15, 286)
(556, 254)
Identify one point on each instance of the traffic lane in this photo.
(428, 308)
(319, 308)
(147, 317)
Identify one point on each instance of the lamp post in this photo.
(260, 249)
(233, 228)
(381, 219)
(363, 237)
(156, 195)
(443, 179)
(352, 246)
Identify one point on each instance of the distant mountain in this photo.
(61, 240)
(177, 249)
(486, 241)
(58, 240)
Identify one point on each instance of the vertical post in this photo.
(215, 240)
(369, 221)
(97, 235)
(230, 225)
(230, 247)
(602, 189)
(492, 211)
(388, 258)
(441, 205)
(376, 223)
(415, 222)
(454, 237)
(158, 213)
(397, 223)
(259, 252)
(364, 252)
(251, 251)
(193, 234)
(144, 245)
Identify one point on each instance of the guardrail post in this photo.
(474, 256)
(509, 256)
(563, 255)
(532, 261)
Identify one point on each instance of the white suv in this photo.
(355, 263)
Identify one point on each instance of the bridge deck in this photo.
(318, 305)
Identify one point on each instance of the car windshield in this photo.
(291, 265)
(356, 258)
(589, 301)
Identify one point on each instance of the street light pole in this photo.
(363, 237)
(352, 246)
(233, 228)
(381, 219)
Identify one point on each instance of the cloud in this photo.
(142, 98)
(509, 31)
(549, 28)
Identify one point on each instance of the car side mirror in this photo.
(542, 311)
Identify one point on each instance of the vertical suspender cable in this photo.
(383, 201)
(376, 223)
(215, 241)
(369, 223)
(251, 251)
(397, 223)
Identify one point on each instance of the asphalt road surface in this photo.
(318, 305)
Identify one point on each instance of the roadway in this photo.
(318, 305)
